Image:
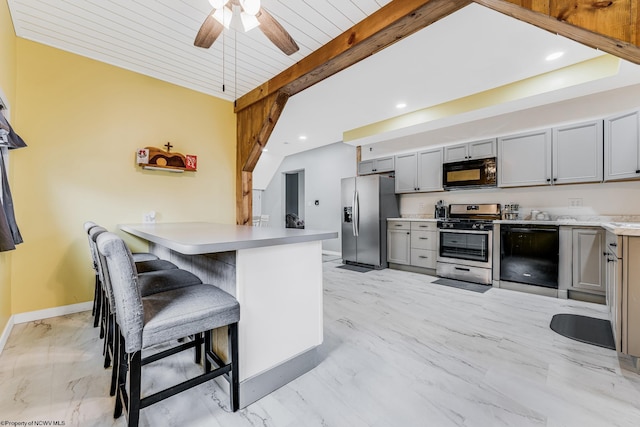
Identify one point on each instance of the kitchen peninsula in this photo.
(274, 273)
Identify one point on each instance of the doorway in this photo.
(294, 199)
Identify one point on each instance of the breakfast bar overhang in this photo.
(276, 276)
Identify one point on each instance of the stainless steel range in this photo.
(465, 242)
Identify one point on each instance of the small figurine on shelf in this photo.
(157, 159)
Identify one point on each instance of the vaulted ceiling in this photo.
(470, 51)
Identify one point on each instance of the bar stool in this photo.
(145, 322)
(147, 262)
(150, 282)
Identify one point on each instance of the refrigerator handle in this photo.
(356, 216)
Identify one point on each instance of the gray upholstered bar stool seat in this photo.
(147, 262)
(164, 317)
(150, 282)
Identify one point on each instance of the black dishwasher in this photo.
(529, 254)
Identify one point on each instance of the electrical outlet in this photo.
(149, 217)
(575, 202)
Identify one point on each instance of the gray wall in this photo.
(323, 169)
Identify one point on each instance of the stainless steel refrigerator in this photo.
(367, 202)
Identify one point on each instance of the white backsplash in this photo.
(612, 201)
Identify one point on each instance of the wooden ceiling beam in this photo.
(391, 23)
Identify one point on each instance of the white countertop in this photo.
(205, 237)
(413, 219)
(619, 228)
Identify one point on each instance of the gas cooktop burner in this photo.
(471, 217)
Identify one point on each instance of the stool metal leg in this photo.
(234, 383)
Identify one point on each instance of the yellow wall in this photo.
(83, 120)
(8, 85)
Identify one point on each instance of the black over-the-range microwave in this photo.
(469, 174)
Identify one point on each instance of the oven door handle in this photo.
(531, 230)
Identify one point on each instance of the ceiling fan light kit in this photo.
(243, 15)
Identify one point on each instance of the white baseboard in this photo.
(39, 315)
(5, 334)
(331, 253)
(52, 312)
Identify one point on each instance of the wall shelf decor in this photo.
(153, 158)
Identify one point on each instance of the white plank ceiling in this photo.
(155, 37)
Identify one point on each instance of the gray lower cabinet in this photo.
(399, 242)
(412, 243)
(424, 236)
(588, 266)
(613, 273)
(631, 297)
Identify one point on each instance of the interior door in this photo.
(368, 196)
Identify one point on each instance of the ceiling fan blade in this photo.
(276, 33)
(209, 32)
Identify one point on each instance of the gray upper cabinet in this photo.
(406, 173)
(470, 150)
(621, 146)
(577, 153)
(381, 165)
(430, 170)
(525, 159)
(562, 155)
(419, 172)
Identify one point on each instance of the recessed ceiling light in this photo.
(265, 149)
(302, 138)
(554, 55)
(400, 105)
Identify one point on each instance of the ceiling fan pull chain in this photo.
(235, 66)
(223, 76)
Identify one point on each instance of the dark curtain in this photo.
(9, 232)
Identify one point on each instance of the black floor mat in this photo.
(584, 329)
(468, 286)
(356, 268)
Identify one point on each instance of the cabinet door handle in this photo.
(548, 179)
(423, 238)
(398, 225)
(555, 179)
(613, 245)
(638, 171)
(462, 269)
(423, 257)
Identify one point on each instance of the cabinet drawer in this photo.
(613, 244)
(423, 258)
(399, 225)
(424, 226)
(423, 240)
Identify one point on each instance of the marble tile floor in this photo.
(398, 351)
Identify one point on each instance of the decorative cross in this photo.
(169, 147)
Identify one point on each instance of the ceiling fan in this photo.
(243, 15)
